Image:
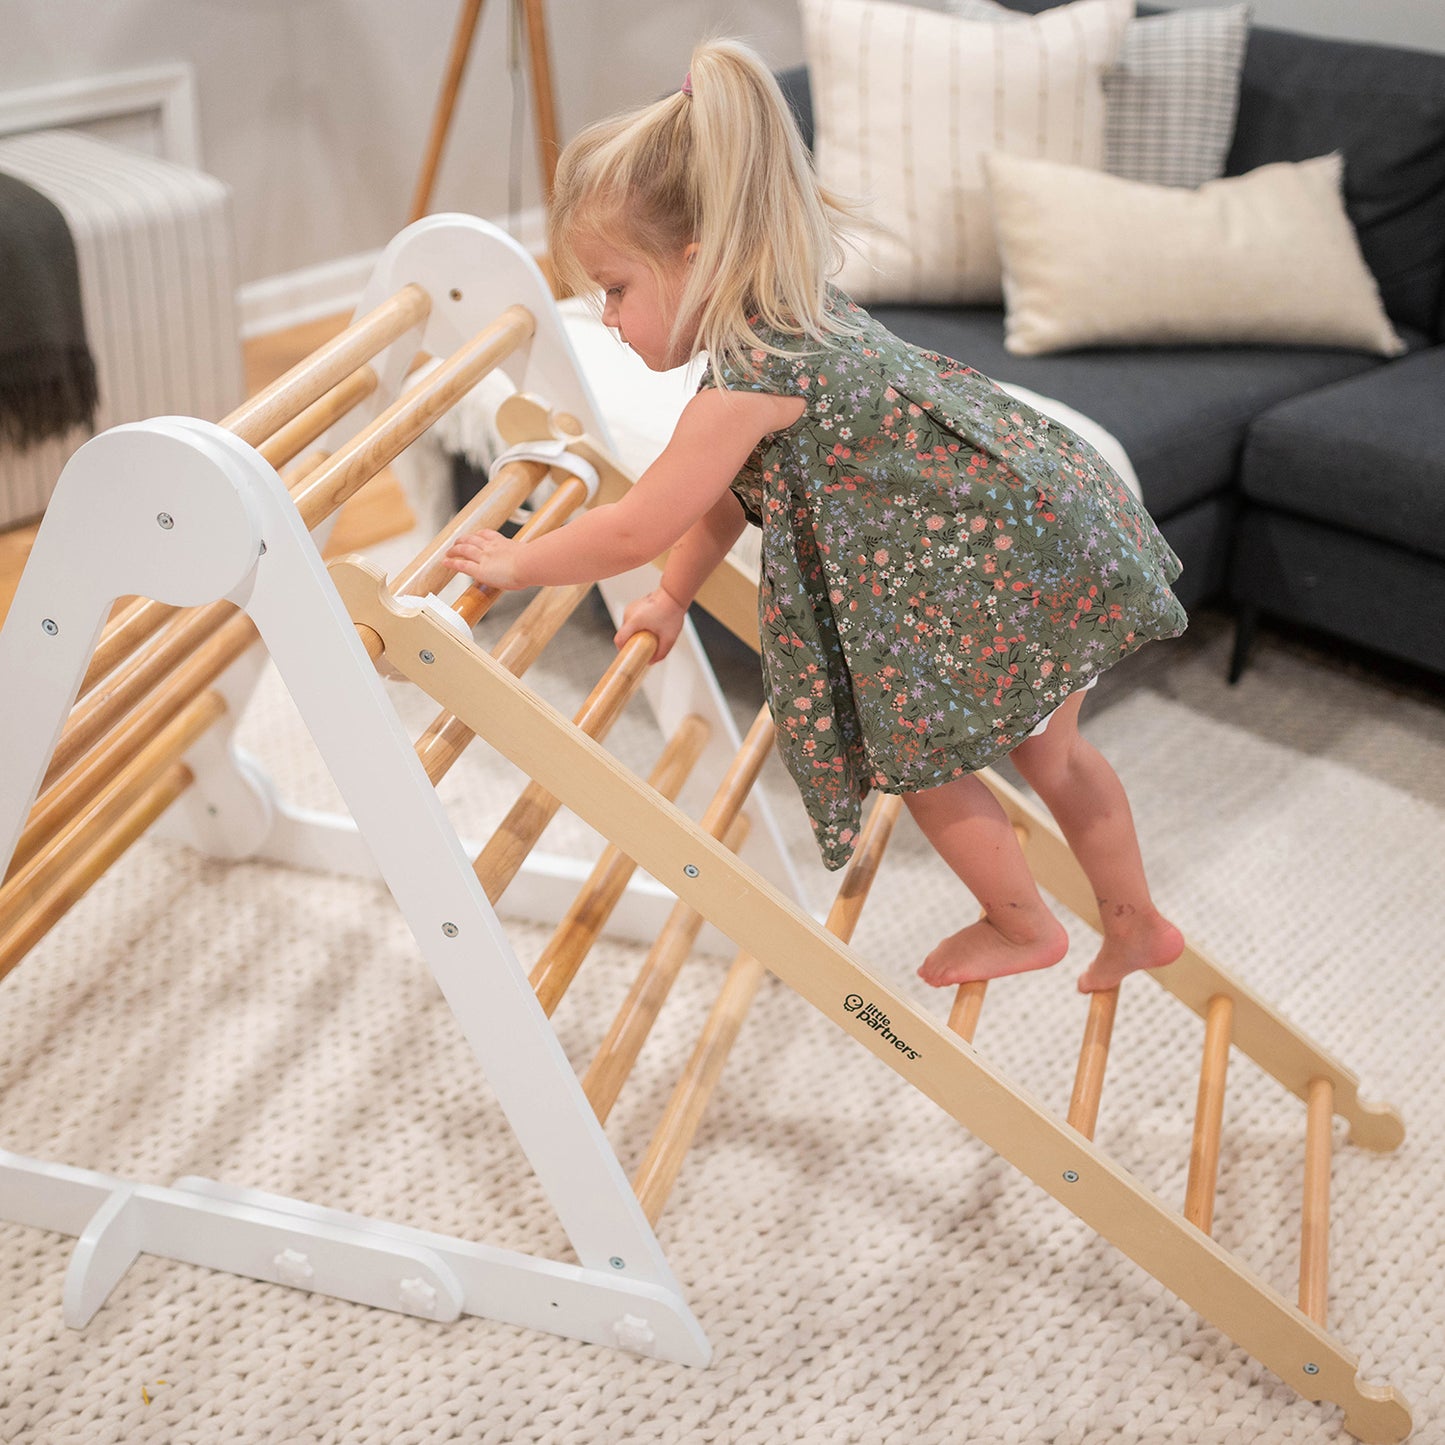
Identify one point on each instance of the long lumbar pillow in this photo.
(1265, 258)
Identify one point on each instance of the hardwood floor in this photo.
(379, 510)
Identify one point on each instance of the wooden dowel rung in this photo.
(506, 850)
(158, 670)
(506, 489)
(291, 440)
(86, 864)
(289, 395)
(385, 438)
(1093, 1060)
(662, 1163)
(1209, 1114)
(967, 1006)
(29, 883)
(447, 736)
(123, 634)
(589, 911)
(618, 1052)
(741, 774)
(569, 497)
(675, 1132)
(1314, 1262)
(169, 733)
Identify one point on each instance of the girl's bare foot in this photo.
(1133, 941)
(982, 951)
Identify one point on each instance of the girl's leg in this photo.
(974, 837)
(1088, 802)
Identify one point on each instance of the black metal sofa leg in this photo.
(1246, 624)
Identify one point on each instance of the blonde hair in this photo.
(725, 168)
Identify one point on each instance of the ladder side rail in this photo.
(1278, 1046)
(314, 645)
(761, 920)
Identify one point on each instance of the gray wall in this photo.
(316, 111)
(1417, 23)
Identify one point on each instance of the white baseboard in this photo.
(313, 292)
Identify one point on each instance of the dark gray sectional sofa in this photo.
(1301, 483)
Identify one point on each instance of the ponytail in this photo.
(723, 167)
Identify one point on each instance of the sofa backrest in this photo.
(1383, 109)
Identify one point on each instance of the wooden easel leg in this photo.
(446, 103)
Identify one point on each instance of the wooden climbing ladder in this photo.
(120, 723)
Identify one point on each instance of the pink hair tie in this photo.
(687, 83)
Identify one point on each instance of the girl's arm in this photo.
(691, 561)
(714, 437)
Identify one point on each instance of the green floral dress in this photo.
(941, 566)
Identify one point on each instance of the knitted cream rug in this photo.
(865, 1269)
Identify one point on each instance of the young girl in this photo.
(944, 571)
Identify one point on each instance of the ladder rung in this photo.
(1209, 1114)
(968, 1001)
(447, 736)
(1093, 1060)
(674, 1134)
(286, 444)
(967, 1006)
(1314, 1262)
(28, 883)
(474, 603)
(617, 1053)
(195, 669)
(70, 792)
(289, 395)
(570, 497)
(589, 911)
(506, 489)
(86, 864)
(505, 852)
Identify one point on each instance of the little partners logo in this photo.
(874, 1017)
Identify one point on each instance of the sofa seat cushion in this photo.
(1366, 454)
(1181, 413)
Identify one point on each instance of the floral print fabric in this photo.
(941, 567)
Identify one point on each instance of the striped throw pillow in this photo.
(1172, 98)
(906, 101)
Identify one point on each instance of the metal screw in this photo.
(1071, 1176)
(262, 552)
(50, 626)
(166, 520)
(690, 869)
(617, 1262)
(1311, 1368)
(450, 929)
(427, 655)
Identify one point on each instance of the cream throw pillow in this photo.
(907, 100)
(1269, 257)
